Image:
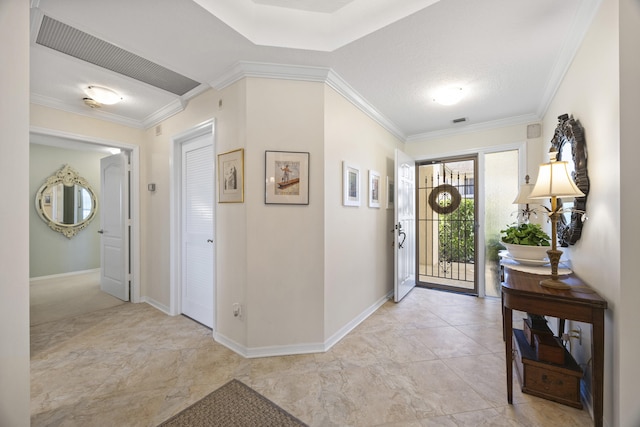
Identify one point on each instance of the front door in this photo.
(447, 224)
(114, 226)
(197, 296)
(404, 225)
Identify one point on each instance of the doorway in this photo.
(193, 225)
(80, 282)
(447, 210)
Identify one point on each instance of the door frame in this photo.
(72, 140)
(480, 218)
(175, 202)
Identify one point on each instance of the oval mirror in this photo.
(66, 202)
(570, 144)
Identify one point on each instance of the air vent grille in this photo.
(66, 39)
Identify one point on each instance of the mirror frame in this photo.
(570, 131)
(68, 177)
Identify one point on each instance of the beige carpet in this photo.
(234, 405)
(63, 297)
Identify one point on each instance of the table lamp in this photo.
(523, 199)
(554, 182)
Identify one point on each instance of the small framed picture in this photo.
(286, 177)
(374, 189)
(350, 184)
(231, 176)
(390, 193)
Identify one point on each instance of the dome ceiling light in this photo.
(448, 95)
(103, 95)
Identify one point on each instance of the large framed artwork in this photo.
(286, 177)
(350, 184)
(231, 176)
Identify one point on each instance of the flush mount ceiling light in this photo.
(448, 95)
(103, 95)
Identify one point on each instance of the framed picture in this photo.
(350, 184)
(286, 178)
(390, 193)
(374, 189)
(231, 176)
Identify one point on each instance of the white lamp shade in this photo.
(103, 95)
(554, 181)
(523, 194)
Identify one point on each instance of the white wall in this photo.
(590, 92)
(629, 315)
(474, 141)
(14, 216)
(284, 242)
(358, 253)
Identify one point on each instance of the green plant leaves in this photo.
(526, 234)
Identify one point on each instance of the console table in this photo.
(522, 291)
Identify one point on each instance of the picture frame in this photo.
(390, 193)
(231, 176)
(375, 189)
(350, 184)
(286, 177)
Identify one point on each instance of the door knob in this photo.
(100, 231)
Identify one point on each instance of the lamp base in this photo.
(554, 284)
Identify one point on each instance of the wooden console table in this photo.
(522, 291)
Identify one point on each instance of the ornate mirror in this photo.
(66, 202)
(569, 141)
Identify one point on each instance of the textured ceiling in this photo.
(509, 55)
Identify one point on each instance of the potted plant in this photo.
(526, 241)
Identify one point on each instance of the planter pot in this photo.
(526, 252)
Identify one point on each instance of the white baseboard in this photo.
(287, 350)
(163, 308)
(342, 332)
(58, 276)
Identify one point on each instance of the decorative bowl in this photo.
(527, 252)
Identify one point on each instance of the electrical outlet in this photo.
(237, 310)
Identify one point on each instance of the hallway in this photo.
(434, 359)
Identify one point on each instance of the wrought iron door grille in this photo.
(447, 224)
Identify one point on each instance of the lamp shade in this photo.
(554, 181)
(523, 195)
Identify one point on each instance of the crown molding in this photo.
(577, 31)
(267, 70)
(325, 75)
(84, 111)
(494, 124)
(172, 108)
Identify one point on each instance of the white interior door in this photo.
(405, 225)
(197, 269)
(114, 227)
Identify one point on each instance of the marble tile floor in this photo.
(434, 359)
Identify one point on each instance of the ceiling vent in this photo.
(66, 39)
(458, 121)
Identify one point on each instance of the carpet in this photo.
(233, 405)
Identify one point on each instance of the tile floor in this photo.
(435, 359)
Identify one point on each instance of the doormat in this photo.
(234, 404)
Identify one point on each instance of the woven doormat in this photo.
(234, 405)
